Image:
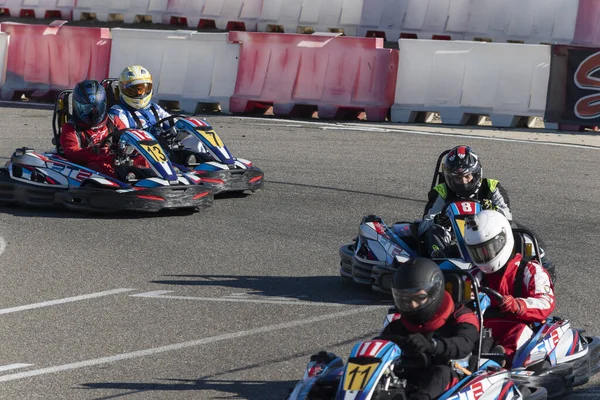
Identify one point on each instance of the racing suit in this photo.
(490, 194)
(123, 116)
(454, 328)
(535, 298)
(81, 147)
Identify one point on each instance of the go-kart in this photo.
(193, 145)
(49, 179)
(216, 166)
(368, 258)
(557, 357)
(376, 369)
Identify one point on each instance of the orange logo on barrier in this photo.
(588, 107)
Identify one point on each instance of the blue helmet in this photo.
(89, 103)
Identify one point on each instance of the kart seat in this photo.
(63, 110)
(111, 85)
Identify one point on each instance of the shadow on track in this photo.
(388, 196)
(240, 389)
(61, 213)
(322, 289)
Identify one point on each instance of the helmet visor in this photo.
(91, 113)
(413, 299)
(137, 90)
(485, 252)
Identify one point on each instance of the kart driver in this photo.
(136, 108)
(431, 324)
(82, 135)
(526, 287)
(463, 180)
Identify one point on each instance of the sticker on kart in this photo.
(212, 137)
(358, 375)
(155, 152)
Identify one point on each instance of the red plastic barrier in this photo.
(587, 30)
(295, 73)
(48, 58)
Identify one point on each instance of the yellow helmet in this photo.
(135, 85)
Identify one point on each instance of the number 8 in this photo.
(466, 206)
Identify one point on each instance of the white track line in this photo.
(13, 366)
(162, 294)
(391, 127)
(62, 301)
(184, 345)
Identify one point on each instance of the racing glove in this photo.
(510, 305)
(442, 219)
(417, 344)
(488, 205)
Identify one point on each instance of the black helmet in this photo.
(461, 161)
(418, 289)
(89, 103)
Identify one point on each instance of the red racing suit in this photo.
(456, 330)
(536, 300)
(81, 147)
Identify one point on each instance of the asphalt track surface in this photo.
(230, 302)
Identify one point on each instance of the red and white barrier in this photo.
(45, 58)
(460, 79)
(587, 31)
(129, 9)
(186, 66)
(333, 75)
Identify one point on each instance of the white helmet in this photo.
(489, 240)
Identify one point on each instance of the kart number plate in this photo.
(357, 376)
(212, 138)
(155, 152)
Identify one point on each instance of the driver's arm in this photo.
(72, 147)
(539, 300)
(162, 113)
(434, 206)
(118, 118)
(501, 201)
(464, 336)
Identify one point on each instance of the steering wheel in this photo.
(492, 293)
(157, 126)
(114, 134)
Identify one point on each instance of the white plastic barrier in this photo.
(3, 56)
(186, 66)
(225, 11)
(530, 21)
(424, 18)
(320, 15)
(459, 79)
(39, 7)
(130, 9)
(222, 12)
(191, 10)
